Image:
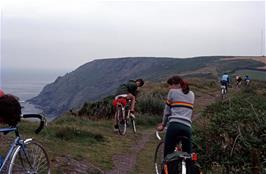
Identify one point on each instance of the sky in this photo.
(64, 34)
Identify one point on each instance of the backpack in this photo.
(10, 110)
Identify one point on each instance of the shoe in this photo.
(115, 128)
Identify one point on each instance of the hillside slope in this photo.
(99, 78)
(80, 145)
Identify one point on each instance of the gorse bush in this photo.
(98, 110)
(148, 120)
(235, 135)
(149, 102)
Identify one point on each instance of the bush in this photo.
(150, 103)
(148, 120)
(235, 134)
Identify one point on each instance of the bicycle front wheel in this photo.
(133, 123)
(121, 121)
(158, 158)
(31, 158)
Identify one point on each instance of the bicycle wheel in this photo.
(133, 124)
(158, 158)
(120, 120)
(223, 93)
(30, 159)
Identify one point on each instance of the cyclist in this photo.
(247, 79)
(225, 80)
(177, 115)
(129, 91)
(238, 81)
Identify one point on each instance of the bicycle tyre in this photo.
(158, 158)
(120, 120)
(223, 93)
(31, 159)
(133, 124)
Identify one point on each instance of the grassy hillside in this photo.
(80, 144)
(98, 79)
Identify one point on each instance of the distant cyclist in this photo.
(247, 80)
(177, 115)
(238, 81)
(225, 80)
(129, 91)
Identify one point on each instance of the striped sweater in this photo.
(179, 107)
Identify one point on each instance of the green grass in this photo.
(79, 138)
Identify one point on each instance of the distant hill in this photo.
(100, 78)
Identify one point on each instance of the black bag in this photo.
(10, 110)
(172, 164)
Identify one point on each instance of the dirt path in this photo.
(124, 163)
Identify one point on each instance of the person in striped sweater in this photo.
(177, 115)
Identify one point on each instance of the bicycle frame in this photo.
(125, 116)
(12, 146)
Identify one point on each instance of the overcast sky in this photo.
(53, 34)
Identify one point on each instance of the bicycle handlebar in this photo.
(158, 135)
(42, 119)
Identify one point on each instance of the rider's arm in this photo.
(167, 109)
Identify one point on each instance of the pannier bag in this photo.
(172, 164)
(10, 110)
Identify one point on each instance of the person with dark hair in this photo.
(10, 109)
(177, 115)
(128, 91)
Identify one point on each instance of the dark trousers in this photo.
(174, 130)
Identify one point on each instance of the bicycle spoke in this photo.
(32, 159)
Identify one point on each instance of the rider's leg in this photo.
(187, 132)
(133, 102)
(170, 139)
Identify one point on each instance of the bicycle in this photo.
(223, 91)
(25, 155)
(160, 163)
(247, 82)
(123, 116)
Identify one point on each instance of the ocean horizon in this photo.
(27, 84)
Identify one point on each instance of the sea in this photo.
(27, 84)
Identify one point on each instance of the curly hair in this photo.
(10, 110)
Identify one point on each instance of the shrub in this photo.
(235, 134)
